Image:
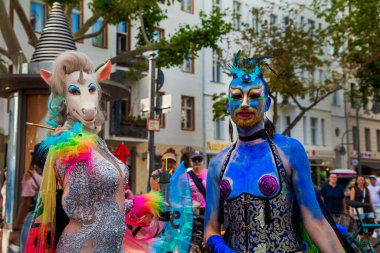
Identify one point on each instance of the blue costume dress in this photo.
(263, 224)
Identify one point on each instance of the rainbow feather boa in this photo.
(68, 149)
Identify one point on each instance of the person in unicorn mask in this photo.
(91, 177)
(263, 180)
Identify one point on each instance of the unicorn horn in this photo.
(81, 78)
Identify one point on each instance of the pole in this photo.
(357, 107)
(152, 89)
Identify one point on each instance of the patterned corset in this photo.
(96, 219)
(249, 231)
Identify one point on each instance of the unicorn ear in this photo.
(104, 71)
(46, 75)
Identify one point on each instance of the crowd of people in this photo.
(259, 190)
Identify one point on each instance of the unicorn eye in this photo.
(92, 88)
(74, 90)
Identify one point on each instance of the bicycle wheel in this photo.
(356, 246)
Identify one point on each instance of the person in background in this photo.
(333, 197)
(374, 189)
(185, 157)
(30, 186)
(361, 193)
(197, 176)
(168, 166)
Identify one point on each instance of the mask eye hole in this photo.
(92, 88)
(255, 96)
(236, 96)
(74, 90)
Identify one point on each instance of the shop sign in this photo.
(217, 146)
(320, 153)
(366, 154)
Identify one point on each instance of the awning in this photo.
(10, 83)
(344, 173)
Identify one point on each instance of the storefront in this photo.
(321, 162)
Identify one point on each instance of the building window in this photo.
(354, 138)
(187, 6)
(323, 132)
(216, 68)
(216, 4)
(158, 34)
(255, 20)
(236, 15)
(302, 21)
(314, 131)
(122, 37)
(219, 129)
(378, 140)
(367, 136)
(335, 98)
(101, 39)
(310, 27)
(187, 113)
(188, 65)
(272, 20)
(288, 121)
(76, 17)
(304, 123)
(37, 15)
(160, 114)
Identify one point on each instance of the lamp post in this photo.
(152, 95)
(357, 108)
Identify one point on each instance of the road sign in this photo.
(153, 125)
(355, 162)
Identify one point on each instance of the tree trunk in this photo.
(9, 36)
(25, 23)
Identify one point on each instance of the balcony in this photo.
(126, 126)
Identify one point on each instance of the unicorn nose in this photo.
(89, 113)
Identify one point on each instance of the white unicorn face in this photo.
(82, 97)
(82, 93)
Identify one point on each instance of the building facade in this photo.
(322, 130)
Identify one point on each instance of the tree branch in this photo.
(89, 22)
(25, 23)
(91, 35)
(68, 12)
(5, 53)
(3, 68)
(305, 109)
(142, 28)
(9, 36)
(123, 57)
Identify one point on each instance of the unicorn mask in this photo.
(72, 79)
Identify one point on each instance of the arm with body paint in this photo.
(319, 230)
(214, 241)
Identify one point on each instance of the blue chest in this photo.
(252, 170)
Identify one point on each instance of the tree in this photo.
(297, 51)
(354, 31)
(187, 40)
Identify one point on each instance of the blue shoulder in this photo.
(216, 162)
(292, 148)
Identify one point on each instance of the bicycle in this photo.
(364, 245)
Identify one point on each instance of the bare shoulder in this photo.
(288, 145)
(217, 161)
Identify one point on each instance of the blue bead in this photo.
(246, 78)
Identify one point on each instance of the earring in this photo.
(231, 131)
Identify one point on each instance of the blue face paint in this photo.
(74, 90)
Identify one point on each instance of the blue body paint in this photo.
(253, 159)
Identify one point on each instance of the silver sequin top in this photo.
(95, 204)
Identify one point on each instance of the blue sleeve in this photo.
(216, 244)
